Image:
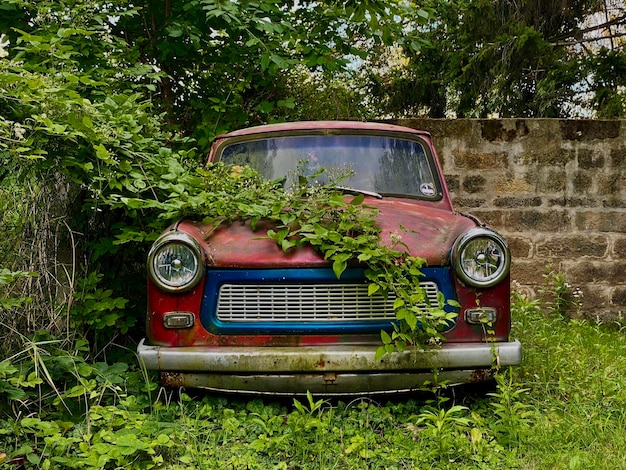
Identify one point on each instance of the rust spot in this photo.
(320, 364)
(171, 379)
(481, 375)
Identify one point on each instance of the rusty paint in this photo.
(320, 364)
(427, 230)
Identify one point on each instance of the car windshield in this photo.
(374, 163)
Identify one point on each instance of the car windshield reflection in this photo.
(376, 164)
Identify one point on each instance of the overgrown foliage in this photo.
(228, 63)
(72, 130)
(102, 103)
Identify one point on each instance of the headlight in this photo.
(175, 262)
(481, 257)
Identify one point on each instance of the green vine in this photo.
(341, 228)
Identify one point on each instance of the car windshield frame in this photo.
(340, 152)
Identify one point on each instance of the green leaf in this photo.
(357, 200)
(339, 266)
(381, 352)
(384, 336)
(110, 103)
(174, 31)
(265, 61)
(102, 153)
(372, 289)
(340, 262)
(286, 244)
(410, 318)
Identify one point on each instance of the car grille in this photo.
(334, 302)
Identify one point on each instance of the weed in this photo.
(443, 425)
(560, 297)
(513, 416)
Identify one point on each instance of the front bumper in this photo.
(327, 370)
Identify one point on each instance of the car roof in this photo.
(320, 126)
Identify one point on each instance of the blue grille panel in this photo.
(297, 301)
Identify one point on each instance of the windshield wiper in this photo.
(358, 191)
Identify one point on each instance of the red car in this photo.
(235, 313)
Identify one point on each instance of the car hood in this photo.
(427, 232)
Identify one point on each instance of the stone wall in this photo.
(556, 189)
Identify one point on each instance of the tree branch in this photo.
(620, 20)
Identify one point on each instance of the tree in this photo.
(528, 58)
(230, 63)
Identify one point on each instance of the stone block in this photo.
(495, 218)
(618, 157)
(503, 130)
(512, 201)
(582, 182)
(595, 300)
(601, 220)
(527, 272)
(520, 220)
(588, 160)
(618, 297)
(476, 160)
(521, 247)
(474, 184)
(551, 181)
(453, 182)
(461, 203)
(511, 184)
(587, 129)
(593, 272)
(574, 246)
(611, 184)
(555, 156)
(566, 201)
(527, 158)
(619, 248)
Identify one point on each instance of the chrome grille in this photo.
(307, 302)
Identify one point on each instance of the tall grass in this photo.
(575, 373)
(36, 242)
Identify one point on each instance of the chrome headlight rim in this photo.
(173, 238)
(461, 244)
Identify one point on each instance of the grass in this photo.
(563, 408)
(574, 371)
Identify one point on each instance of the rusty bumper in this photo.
(328, 370)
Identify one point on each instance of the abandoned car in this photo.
(233, 312)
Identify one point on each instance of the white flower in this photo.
(19, 131)
(3, 43)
